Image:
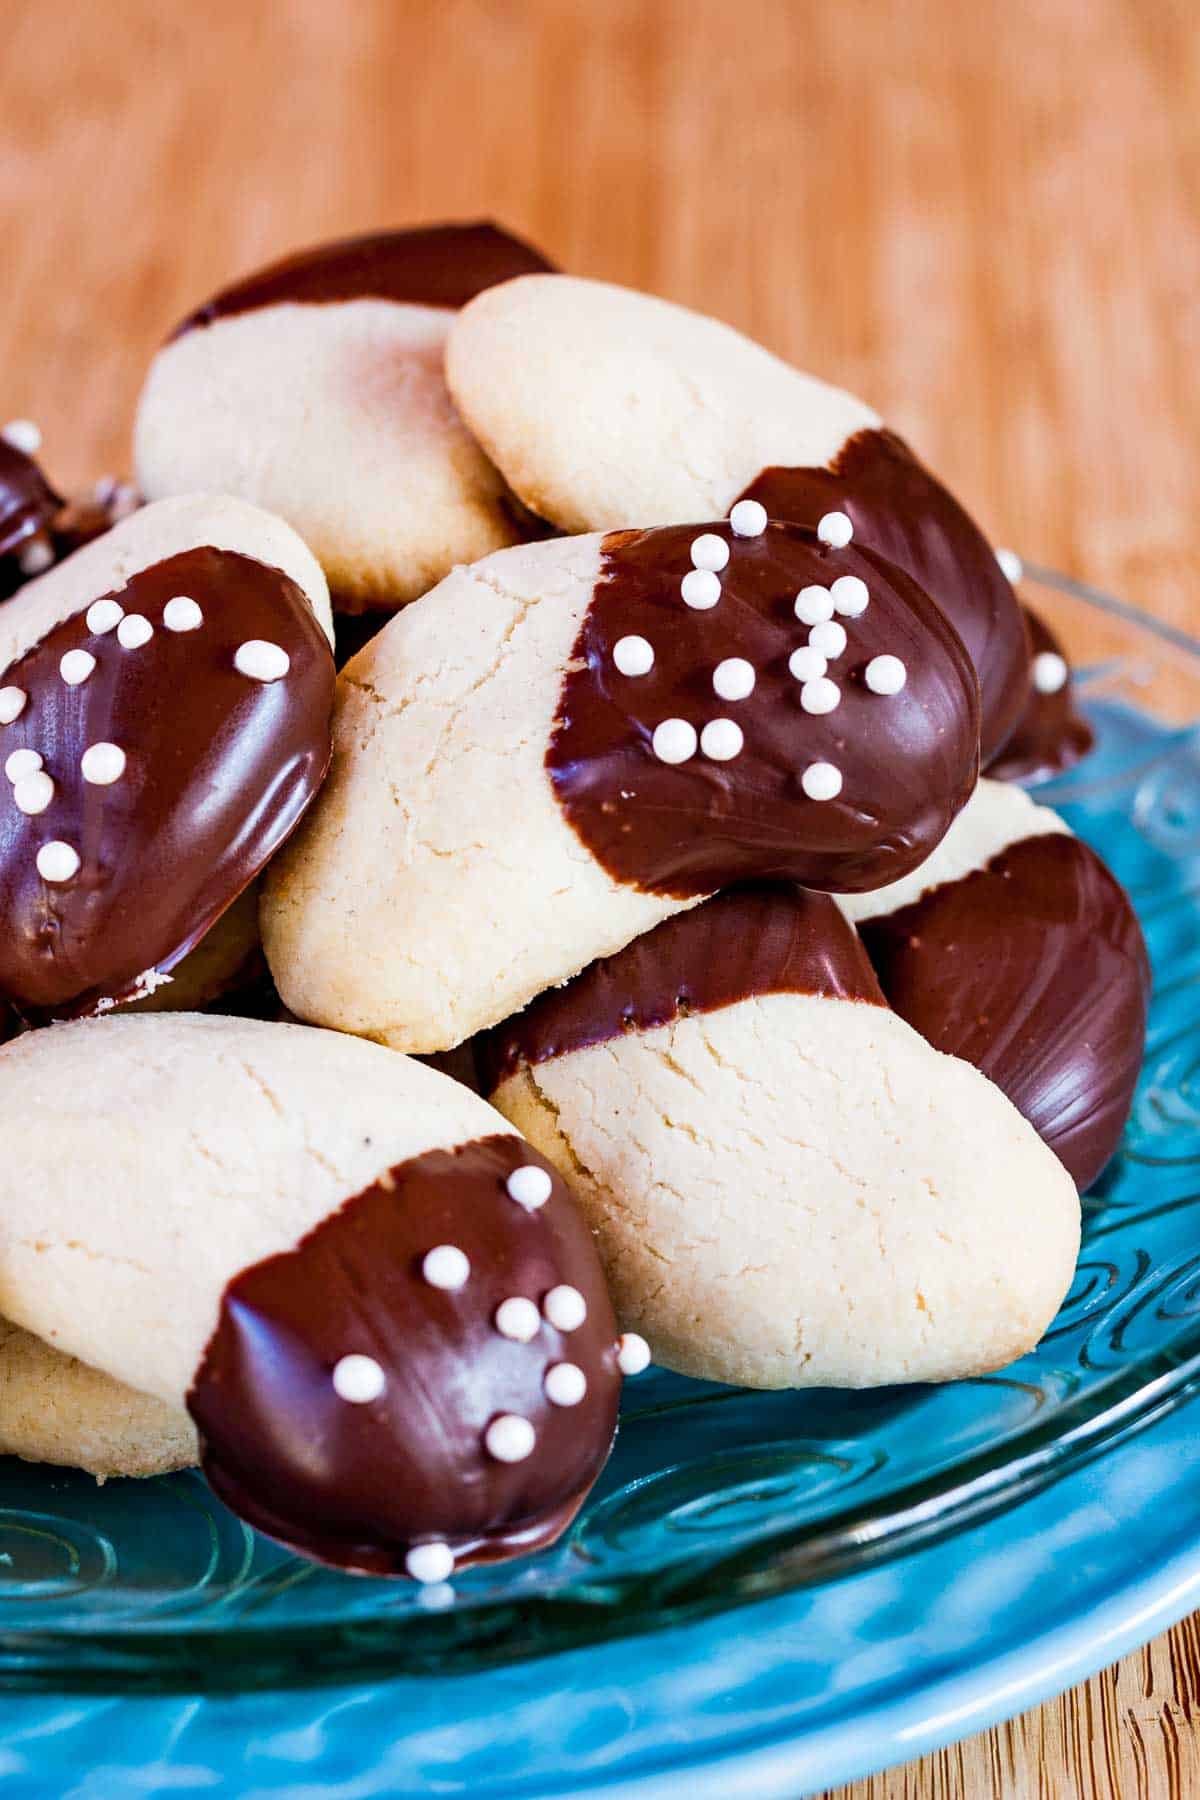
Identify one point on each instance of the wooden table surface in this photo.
(983, 217)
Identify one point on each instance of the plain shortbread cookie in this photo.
(796, 1191)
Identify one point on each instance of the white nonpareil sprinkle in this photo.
(633, 1353)
(734, 678)
(33, 793)
(149, 982)
(529, 1186)
(1011, 565)
(709, 552)
(633, 655)
(821, 781)
(1049, 672)
(829, 638)
(262, 661)
(446, 1267)
(120, 497)
(429, 1563)
(814, 604)
(12, 704)
(721, 740)
(134, 631)
(510, 1438)
(518, 1319)
(565, 1384)
(565, 1307)
(835, 529)
(851, 596)
(23, 435)
(182, 614)
(36, 557)
(22, 763)
(807, 664)
(674, 741)
(701, 589)
(439, 1596)
(76, 666)
(358, 1379)
(748, 518)
(885, 675)
(102, 764)
(57, 862)
(820, 696)
(103, 616)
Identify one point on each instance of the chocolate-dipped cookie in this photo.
(381, 1308)
(55, 1409)
(37, 526)
(603, 407)
(1017, 950)
(787, 1185)
(165, 697)
(28, 505)
(315, 388)
(571, 740)
(1051, 734)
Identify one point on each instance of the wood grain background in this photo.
(982, 216)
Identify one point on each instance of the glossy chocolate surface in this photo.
(1033, 969)
(219, 769)
(73, 523)
(907, 760)
(764, 938)
(1050, 736)
(28, 504)
(356, 1485)
(901, 510)
(435, 265)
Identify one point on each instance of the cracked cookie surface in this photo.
(792, 1189)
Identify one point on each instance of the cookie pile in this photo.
(623, 955)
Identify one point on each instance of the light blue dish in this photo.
(923, 1561)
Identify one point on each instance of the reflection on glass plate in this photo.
(715, 1496)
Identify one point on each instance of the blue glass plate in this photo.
(714, 1496)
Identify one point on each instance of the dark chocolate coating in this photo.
(908, 761)
(434, 265)
(73, 523)
(1050, 736)
(356, 1485)
(1034, 969)
(902, 510)
(86, 517)
(28, 503)
(219, 770)
(764, 938)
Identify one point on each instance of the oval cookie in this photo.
(55, 1409)
(788, 1186)
(1051, 735)
(512, 796)
(165, 697)
(314, 1243)
(315, 389)
(28, 504)
(1017, 950)
(604, 407)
